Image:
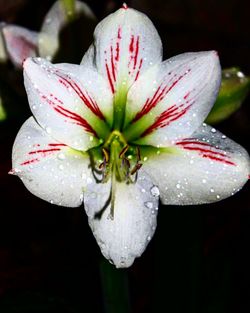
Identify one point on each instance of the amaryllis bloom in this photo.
(123, 130)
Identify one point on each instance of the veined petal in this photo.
(49, 169)
(20, 43)
(205, 168)
(171, 100)
(125, 45)
(54, 22)
(73, 104)
(126, 236)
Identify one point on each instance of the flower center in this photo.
(120, 163)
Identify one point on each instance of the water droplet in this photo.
(218, 196)
(61, 167)
(61, 156)
(149, 205)
(204, 181)
(223, 137)
(212, 190)
(155, 191)
(48, 130)
(51, 201)
(143, 190)
(213, 130)
(81, 197)
(148, 238)
(178, 186)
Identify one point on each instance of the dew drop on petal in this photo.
(213, 130)
(48, 130)
(155, 191)
(61, 156)
(149, 205)
(212, 190)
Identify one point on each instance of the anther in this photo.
(123, 151)
(135, 168)
(106, 155)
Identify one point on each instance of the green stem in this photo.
(70, 8)
(115, 288)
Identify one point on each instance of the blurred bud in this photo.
(20, 43)
(234, 89)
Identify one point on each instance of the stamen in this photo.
(124, 150)
(106, 154)
(138, 153)
(135, 168)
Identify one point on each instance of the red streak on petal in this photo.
(218, 159)
(56, 145)
(112, 63)
(167, 117)
(119, 36)
(117, 56)
(138, 72)
(110, 79)
(87, 100)
(136, 52)
(205, 151)
(131, 45)
(45, 151)
(186, 95)
(30, 161)
(71, 115)
(158, 96)
(188, 142)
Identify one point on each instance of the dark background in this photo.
(198, 260)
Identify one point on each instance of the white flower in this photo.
(124, 129)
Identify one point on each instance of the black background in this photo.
(198, 260)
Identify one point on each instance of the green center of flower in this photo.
(118, 161)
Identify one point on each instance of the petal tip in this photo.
(124, 6)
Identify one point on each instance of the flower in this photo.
(124, 129)
(17, 43)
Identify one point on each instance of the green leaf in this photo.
(234, 89)
(3, 114)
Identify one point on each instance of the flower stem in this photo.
(115, 288)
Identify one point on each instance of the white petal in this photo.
(205, 168)
(125, 45)
(126, 236)
(54, 22)
(67, 101)
(20, 42)
(172, 100)
(50, 170)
